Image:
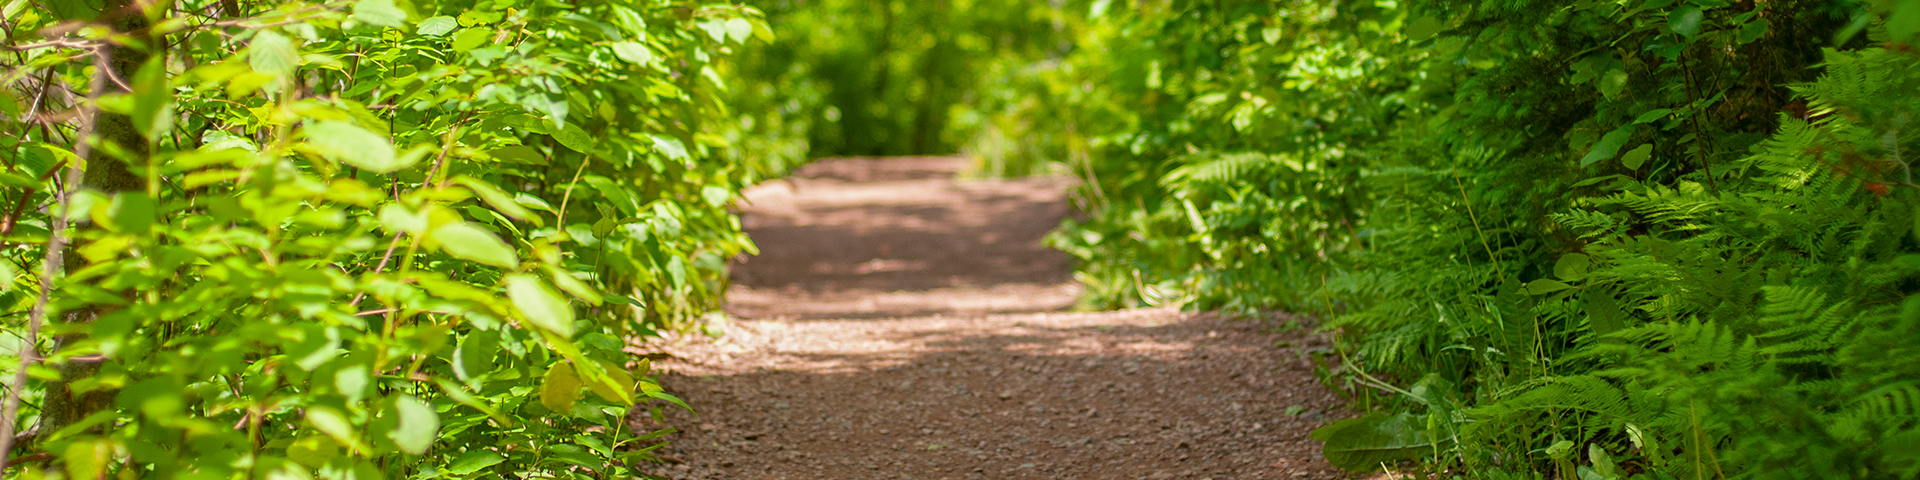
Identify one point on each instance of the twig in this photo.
(56, 244)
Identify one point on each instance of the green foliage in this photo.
(1598, 239)
(893, 77)
(360, 239)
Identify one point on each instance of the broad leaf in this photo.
(560, 388)
(473, 461)
(352, 145)
(1365, 443)
(1633, 159)
(273, 54)
(545, 309)
(437, 26)
(418, 425)
(633, 52)
(1608, 146)
(379, 12)
(467, 242)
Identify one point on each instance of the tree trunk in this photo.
(107, 171)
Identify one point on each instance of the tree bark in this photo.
(108, 171)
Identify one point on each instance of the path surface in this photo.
(902, 324)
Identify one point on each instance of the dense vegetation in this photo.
(1597, 239)
(386, 238)
(357, 239)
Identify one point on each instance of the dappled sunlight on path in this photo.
(942, 361)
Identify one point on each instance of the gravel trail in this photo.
(902, 324)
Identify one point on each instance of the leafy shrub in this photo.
(1595, 239)
(358, 239)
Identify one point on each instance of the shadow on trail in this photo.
(1153, 394)
(875, 238)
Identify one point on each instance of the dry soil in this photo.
(900, 323)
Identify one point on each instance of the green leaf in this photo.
(88, 458)
(715, 195)
(1422, 29)
(715, 28)
(379, 12)
(352, 145)
(152, 100)
(739, 29)
(612, 383)
(437, 26)
(396, 218)
(418, 426)
(467, 242)
(1903, 23)
(1602, 462)
(1545, 286)
(539, 304)
(1753, 30)
(1364, 443)
(575, 138)
(1612, 82)
(1608, 146)
(132, 212)
(1633, 159)
(273, 54)
(633, 52)
(1685, 20)
(1572, 266)
(9, 106)
(519, 154)
(560, 389)
(763, 32)
(573, 286)
(1652, 115)
(473, 461)
(474, 355)
(335, 424)
(313, 450)
(670, 146)
(471, 38)
(499, 200)
(1604, 314)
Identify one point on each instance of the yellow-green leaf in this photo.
(467, 242)
(350, 144)
(541, 307)
(335, 424)
(1545, 286)
(560, 388)
(499, 200)
(418, 425)
(272, 54)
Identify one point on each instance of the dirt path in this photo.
(901, 324)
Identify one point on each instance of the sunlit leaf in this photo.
(739, 29)
(418, 425)
(379, 12)
(670, 146)
(273, 54)
(473, 461)
(335, 424)
(633, 52)
(560, 388)
(350, 144)
(539, 304)
(467, 242)
(437, 26)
